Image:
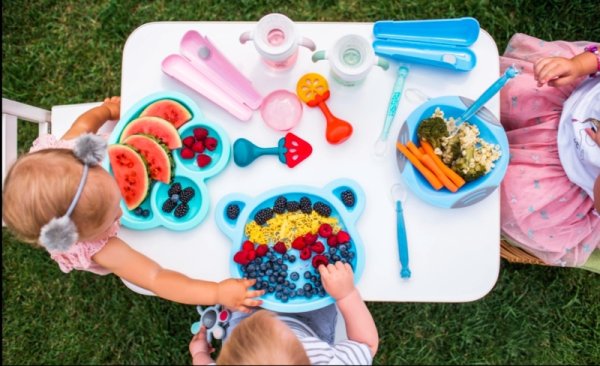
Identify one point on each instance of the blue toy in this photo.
(215, 319)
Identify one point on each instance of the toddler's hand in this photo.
(200, 349)
(114, 106)
(556, 71)
(233, 293)
(338, 279)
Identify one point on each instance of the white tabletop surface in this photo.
(454, 253)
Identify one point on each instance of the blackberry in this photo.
(305, 205)
(138, 211)
(145, 213)
(233, 211)
(181, 210)
(263, 215)
(174, 189)
(322, 209)
(292, 206)
(347, 197)
(169, 205)
(280, 205)
(186, 195)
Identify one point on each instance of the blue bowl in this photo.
(472, 192)
(187, 173)
(330, 194)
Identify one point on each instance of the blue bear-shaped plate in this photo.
(330, 195)
(472, 192)
(187, 172)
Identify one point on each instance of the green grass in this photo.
(62, 52)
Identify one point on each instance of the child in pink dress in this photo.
(550, 197)
(58, 197)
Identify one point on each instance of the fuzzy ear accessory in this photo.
(60, 233)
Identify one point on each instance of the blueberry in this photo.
(313, 278)
(343, 247)
(286, 291)
(269, 272)
(283, 273)
(294, 276)
(286, 283)
(280, 279)
(280, 261)
(332, 250)
(344, 254)
(251, 267)
(258, 260)
(258, 285)
(307, 287)
(284, 267)
(322, 293)
(300, 292)
(271, 289)
(292, 258)
(285, 257)
(335, 258)
(278, 287)
(307, 274)
(292, 286)
(292, 294)
(272, 279)
(278, 295)
(308, 294)
(263, 267)
(284, 298)
(344, 260)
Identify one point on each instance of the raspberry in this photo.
(305, 253)
(198, 147)
(280, 205)
(188, 141)
(174, 189)
(318, 260)
(211, 143)
(322, 209)
(263, 215)
(200, 133)
(342, 237)
(305, 205)
(262, 250)
(310, 238)
(187, 194)
(347, 197)
(293, 206)
(203, 160)
(298, 243)
(280, 247)
(325, 230)
(187, 153)
(317, 247)
(233, 211)
(181, 210)
(240, 258)
(247, 246)
(251, 255)
(169, 205)
(332, 240)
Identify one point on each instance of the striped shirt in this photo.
(345, 352)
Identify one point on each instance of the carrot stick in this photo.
(422, 150)
(428, 162)
(435, 183)
(455, 178)
(414, 149)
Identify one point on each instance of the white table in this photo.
(454, 254)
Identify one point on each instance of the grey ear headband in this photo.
(60, 233)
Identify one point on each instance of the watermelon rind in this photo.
(164, 160)
(160, 128)
(170, 110)
(142, 176)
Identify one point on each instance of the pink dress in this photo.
(79, 256)
(543, 211)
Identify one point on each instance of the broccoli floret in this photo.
(432, 130)
(467, 167)
(452, 148)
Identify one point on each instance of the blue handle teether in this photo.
(402, 242)
(245, 152)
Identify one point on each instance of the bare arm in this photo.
(560, 71)
(91, 120)
(338, 281)
(140, 270)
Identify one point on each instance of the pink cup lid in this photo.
(281, 110)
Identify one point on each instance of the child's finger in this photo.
(537, 68)
(255, 293)
(252, 302)
(248, 282)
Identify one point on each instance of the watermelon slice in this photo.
(170, 110)
(131, 174)
(160, 128)
(157, 155)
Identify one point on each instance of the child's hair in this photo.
(41, 186)
(258, 341)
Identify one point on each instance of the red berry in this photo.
(187, 153)
(280, 247)
(240, 258)
(318, 260)
(298, 243)
(198, 147)
(332, 241)
(247, 246)
(317, 247)
(188, 141)
(325, 230)
(262, 250)
(210, 143)
(200, 133)
(305, 254)
(203, 160)
(342, 237)
(310, 238)
(250, 255)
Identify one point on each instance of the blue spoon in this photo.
(399, 195)
(381, 145)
